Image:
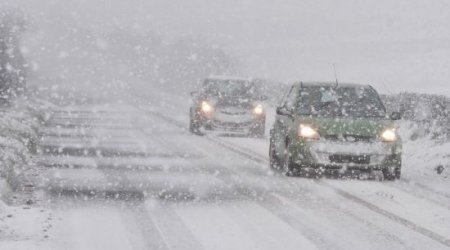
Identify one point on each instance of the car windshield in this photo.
(340, 101)
(231, 89)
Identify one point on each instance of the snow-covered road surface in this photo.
(120, 177)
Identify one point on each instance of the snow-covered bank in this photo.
(19, 220)
(425, 133)
(18, 140)
(426, 160)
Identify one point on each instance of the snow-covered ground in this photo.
(128, 175)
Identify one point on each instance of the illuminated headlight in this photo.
(389, 135)
(258, 110)
(206, 107)
(307, 132)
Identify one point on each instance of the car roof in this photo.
(224, 78)
(329, 84)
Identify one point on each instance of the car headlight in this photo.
(206, 107)
(307, 132)
(258, 110)
(389, 135)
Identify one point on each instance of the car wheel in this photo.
(288, 165)
(273, 158)
(392, 173)
(194, 127)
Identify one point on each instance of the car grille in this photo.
(349, 138)
(357, 159)
(232, 125)
(227, 112)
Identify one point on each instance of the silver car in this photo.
(228, 104)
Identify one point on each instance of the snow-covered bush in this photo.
(428, 114)
(425, 131)
(18, 141)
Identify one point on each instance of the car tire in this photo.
(273, 158)
(392, 173)
(288, 166)
(194, 127)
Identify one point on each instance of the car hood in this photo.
(347, 126)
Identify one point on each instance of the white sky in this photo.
(393, 44)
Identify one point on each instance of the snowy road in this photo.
(119, 177)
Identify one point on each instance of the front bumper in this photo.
(346, 155)
(233, 126)
(242, 123)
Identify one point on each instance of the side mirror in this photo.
(395, 116)
(193, 93)
(284, 111)
(263, 98)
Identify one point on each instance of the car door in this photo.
(284, 120)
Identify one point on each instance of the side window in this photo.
(291, 99)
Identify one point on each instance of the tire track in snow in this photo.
(308, 216)
(174, 232)
(407, 223)
(138, 215)
(407, 181)
(439, 199)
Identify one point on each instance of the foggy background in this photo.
(396, 46)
